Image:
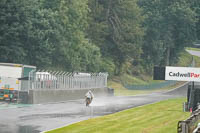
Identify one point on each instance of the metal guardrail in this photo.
(60, 80)
(187, 126)
(197, 130)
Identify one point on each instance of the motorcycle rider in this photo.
(88, 98)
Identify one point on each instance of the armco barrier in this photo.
(187, 126)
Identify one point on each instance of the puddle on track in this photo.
(28, 129)
(19, 129)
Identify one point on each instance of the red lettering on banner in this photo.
(194, 75)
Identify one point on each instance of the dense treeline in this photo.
(117, 36)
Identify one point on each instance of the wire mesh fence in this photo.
(43, 79)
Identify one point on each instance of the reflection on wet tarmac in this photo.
(28, 129)
(18, 129)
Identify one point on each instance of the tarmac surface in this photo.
(195, 53)
(18, 118)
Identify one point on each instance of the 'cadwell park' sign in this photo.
(182, 73)
(177, 73)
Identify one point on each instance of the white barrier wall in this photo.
(47, 96)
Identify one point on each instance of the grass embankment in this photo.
(120, 90)
(160, 117)
(196, 58)
(194, 49)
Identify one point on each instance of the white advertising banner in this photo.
(182, 73)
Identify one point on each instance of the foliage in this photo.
(195, 6)
(170, 26)
(74, 51)
(115, 26)
(26, 33)
(43, 33)
(116, 36)
(185, 59)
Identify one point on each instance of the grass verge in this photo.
(120, 90)
(194, 49)
(161, 117)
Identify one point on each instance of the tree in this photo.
(74, 52)
(10, 31)
(170, 26)
(195, 6)
(26, 32)
(115, 27)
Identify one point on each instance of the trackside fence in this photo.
(43, 80)
(187, 126)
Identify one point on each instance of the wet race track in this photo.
(43, 117)
(192, 52)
